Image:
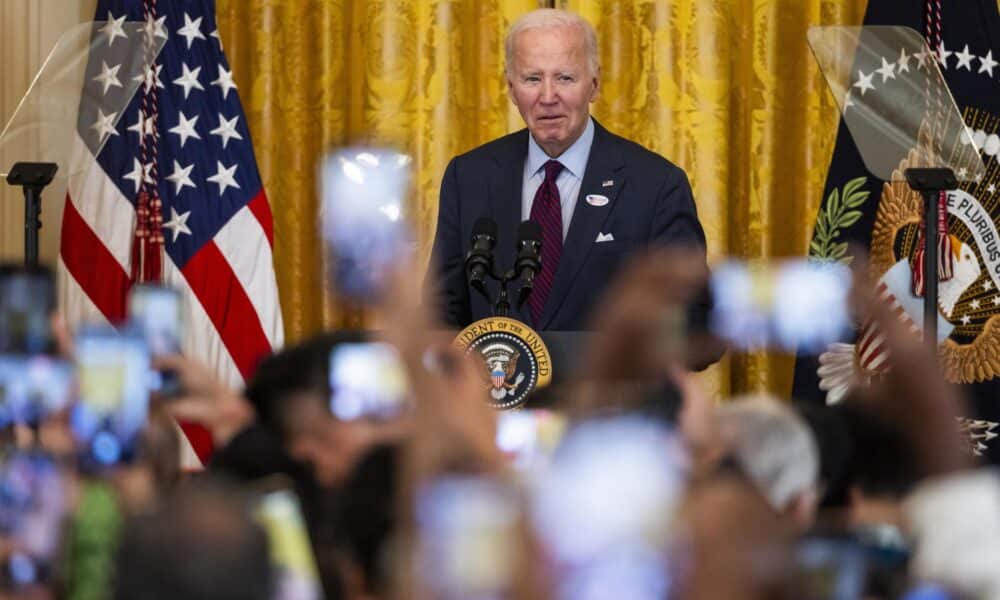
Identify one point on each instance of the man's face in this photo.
(552, 86)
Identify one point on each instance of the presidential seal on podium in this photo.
(516, 361)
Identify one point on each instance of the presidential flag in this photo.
(174, 194)
(884, 216)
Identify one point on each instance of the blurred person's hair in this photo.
(296, 374)
(369, 513)
(882, 462)
(200, 544)
(773, 447)
(833, 439)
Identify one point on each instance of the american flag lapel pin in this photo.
(608, 183)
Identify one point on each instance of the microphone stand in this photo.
(32, 177)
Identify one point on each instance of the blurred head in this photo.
(291, 392)
(368, 515)
(553, 75)
(775, 449)
(882, 469)
(200, 544)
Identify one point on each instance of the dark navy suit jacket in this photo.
(649, 204)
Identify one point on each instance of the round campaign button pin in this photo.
(597, 200)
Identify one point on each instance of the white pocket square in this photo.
(605, 237)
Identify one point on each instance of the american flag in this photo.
(182, 143)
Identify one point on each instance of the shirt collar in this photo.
(574, 159)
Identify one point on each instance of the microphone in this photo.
(529, 261)
(479, 260)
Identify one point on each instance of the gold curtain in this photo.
(727, 89)
(422, 76)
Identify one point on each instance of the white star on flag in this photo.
(864, 82)
(177, 223)
(966, 320)
(108, 77)
(987, 285)
(140, 173)
(974, 304)
(215, 34)
(996, 300)
(964, 58)
(986, 63)
(144, 126)
(181, 177)
(225, 82)
(191, 30)
(227, 129)
(185, 128)
(104, 125)
(992, 188)
(225, 178)
(888, 70)
(904, 61)
(942, 55)
(114, 28)
(189, 79)
(155, 28)
(150, 77)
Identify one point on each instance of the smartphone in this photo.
(157, 311)
(33, 387)
(367, 381)
(364, 207)
(33, 502)
(528, 437)
(279, 512)
(603, 509)
(830, 569)
(27, 300)
(113, 371)
(467, 544)
(787, 306)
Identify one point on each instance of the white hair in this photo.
(551, 18)
(773, 445)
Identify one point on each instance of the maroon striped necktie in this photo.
(546, 210)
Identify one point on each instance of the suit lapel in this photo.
(505, 191)
(602, 166)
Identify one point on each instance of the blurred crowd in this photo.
(367, 465)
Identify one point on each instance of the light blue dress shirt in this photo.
(574, 161)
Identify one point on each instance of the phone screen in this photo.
(830, 568)
(364, 204)
(467, 544)
(27, 299)
(367, 381)
(788, 306)
(529, 437)
(32, 506)
(156, 310)
(578, 508)
(113, 371)
(33, 387)
(297, 577)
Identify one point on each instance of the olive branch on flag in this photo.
(839, 213)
